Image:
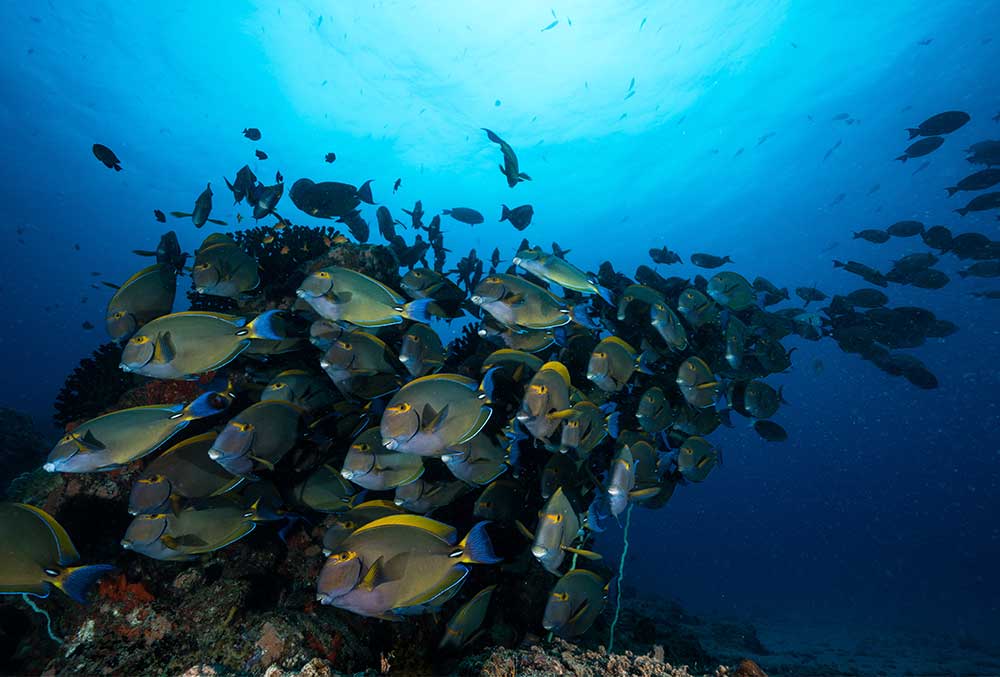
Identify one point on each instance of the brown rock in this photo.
(747, 668)
(271, 645)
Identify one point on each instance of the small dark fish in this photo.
(841, 116)
(982, 269)
(765, 137)
(925, 165)
(252, 133)
(76, 247)
(330, 157)
(243, 185)
(519, 217)
(396, 184)
(770, 431)
(736, 154)
(107, 157)
(922, 147)
(937, 237)
(160, 216)
(837, 200)
(925, 42)
(905, 229)
(464, 215)
(665, 256)
(709, 261)
(94, 273)
(510, 167)
(981, 203)
(992, 293)
(87, 325)
(642, 23)
(834, 147)
(872, 235)
(261, 155)
(550, 26)
(942, 123)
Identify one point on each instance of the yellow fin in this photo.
(620, 342)
(561, 414)
(439, 529)
(589, 554)
(372, 576)
(67, 551)
(559, 368)
(524, 530)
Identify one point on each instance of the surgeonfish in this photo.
(145, 296)
(433, 413)
(558, 271)
(463, 627)
(343, 294)
(258, 436)
(371, 466)
(576, 600)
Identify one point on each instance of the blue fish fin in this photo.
(206, 405)
(418, 310)
(265, 326)
(477, 547)
(614, 425)
(77, 581)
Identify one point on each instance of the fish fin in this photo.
(418, 310)
(180, 215)
(589, 554)
(523, 177)
(524, 530)
(579, 613)
(485, 413)
(454, 578)
(373, 576)
(502, 170)
(613, 423)
(143, 252)
(164, 350)
(492, 136)
(365, 192)
(265, 327)
(477, 547)
(962, 212)
(914, 133)
(559, 368)
(952, 190)
(605, 294)
(203, 405)
(431, 420)
(515, 300)
(641, 494)
(439, 529)
(91, 441)
(644, 363)
(903, 158)
(218, 222)
(77, 581)
(67, 552)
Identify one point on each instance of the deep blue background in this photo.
(883, 505)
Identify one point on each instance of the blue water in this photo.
(882, 506)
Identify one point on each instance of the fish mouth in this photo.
(615, 491)
(538, 551)
(49, 467)
(390, 444)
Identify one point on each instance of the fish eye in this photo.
(139, 340)
(119, 315)
(364, 447)
(323, 274)
(560, 596)
(401, 408)
(278, 386)
(688, 450)
(343, 345)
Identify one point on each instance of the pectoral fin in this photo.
(164, 350)
(589, 554)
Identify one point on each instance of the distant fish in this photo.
(261, 155)
(252, 133)
(107, 157)
(981, 180)
(738, 152)
(837, 200)
(925, 165)
(832, 148)
(631, 84)
(550, 26)
(925, 42)
(643, 23)
(395, 186)
(629, 95)
(841, 116)
(922, 147)
(765, 137)
(160, 216)
(942, 123)
(874, 188)
(330, 157)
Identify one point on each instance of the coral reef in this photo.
(21, 445)
(93, 387)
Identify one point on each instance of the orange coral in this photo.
(117, 589)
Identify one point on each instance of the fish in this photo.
(697, 383)
(831, 149)
(202, 209)
(770, 431)
(550, 26)
(423, 497)
(576, 601)
(142, 298)
(244, 184)
(755, 399)
(252, 133)
(182, 472)
(557, 270)
(341, 294)
(107, 157)
(810, 294)
(159, 216)
(709, 261)
(38, 555)
(464, 215)
(735, 337)
(396, 184)
(264, 199)
(325, 490)
(696, 458)
(870, 275)
(583, 428)
(182, 346)
(510, 167)
(194, 531)
(331, 157)
(500, 501)
(905, 229)
(546, 393)
(371, 466)
(872, 235)
(221, 268)
(433, 413)
(120, 437)
(612, 363)
(519, 217)
(731, 290)
(261, 155)
(343, 524)
(362, 365)
(517, 303)
(867, 298)
(981, 203)
(480, 460)
(698, 309)
(464, 626)
(942, 123)
(922, 147)
(259, 436)
(937, 237)
(330, 199)
(558, 525)
(421, 352)
(401, 565)
(665, 256)
(981, 180)
(981, 269)
(668, 326)
(654, 412)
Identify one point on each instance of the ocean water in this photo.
(881, 508)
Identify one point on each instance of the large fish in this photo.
(346, 295)
(188, 344)
(36, 554)
(515, 302)
(575, 603)
(342, 524)
(142, 298)
(558, 527)
(546, 394)
(697, 383)
(193, 531)
(116, 439)
(371, 466)
(221, 268)
(558, 271)
(433, 413)
(258, 436)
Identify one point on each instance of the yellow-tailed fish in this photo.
(195, 530)
(612, 363)
(697, 383)
(421, 352)
(515, 302)
(696, 458)
(732, 290)
(558, 527)
(304, 389)
(546, 393)
(341, 525)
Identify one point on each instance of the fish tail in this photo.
(644, 363)
(952, 190)
(491, 136)
(204, 405)
(579, 315)
(605, 294)
(180, 215)
(505, 213)
(77, 581)
(838, 264)
(914, 133)
(477, 547)
(903, 158)
(365, 192)
(523, 177)
(614, 424)
(419, 310)
(266, 326)
(962, 212)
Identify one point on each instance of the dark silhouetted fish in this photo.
(942, 123)
(981, 203)
(252, 133)
(107, 157)
(921, 148)
(464, 215)
(981, 180)
(519, 217)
